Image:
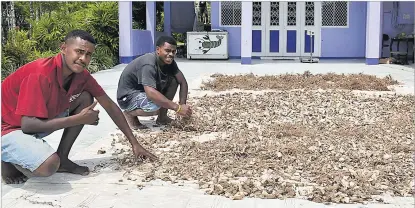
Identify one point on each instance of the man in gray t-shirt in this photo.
(149, 83)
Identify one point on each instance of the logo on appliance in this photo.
(207, 44)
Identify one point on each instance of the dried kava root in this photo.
(322, 145)
(299, 81)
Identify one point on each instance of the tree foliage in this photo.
(42, 26)
(37, 29)
(139, 15)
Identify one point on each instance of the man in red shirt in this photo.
(47, 95)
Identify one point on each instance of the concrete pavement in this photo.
(102, 188)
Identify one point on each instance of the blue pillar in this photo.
(151, 21)
(246, 33)
(373, 32)
(125, 16)
(214, 14)
(167, 17)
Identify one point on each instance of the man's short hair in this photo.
(165, 39)
(84, 35)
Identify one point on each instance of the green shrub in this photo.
(102, 23)
(16, 51)
(48, 32)
(101, 59)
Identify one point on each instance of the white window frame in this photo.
(348, 16)
(220, 17)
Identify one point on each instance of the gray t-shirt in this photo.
(143, 71)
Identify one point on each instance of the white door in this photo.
(274, 28)
(258, 28)
(278, 28)
(291, 28)
(310, 21)
(267, 29)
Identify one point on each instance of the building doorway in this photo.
(279, 29)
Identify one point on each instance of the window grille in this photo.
(309, 13)
(292, 14)
(334, 13)
(231, 13)
(256, 13)
(275, 14)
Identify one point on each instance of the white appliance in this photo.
(207, 45)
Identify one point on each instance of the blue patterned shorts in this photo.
(141, 102)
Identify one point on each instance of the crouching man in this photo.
(46, 95)
(149, 83)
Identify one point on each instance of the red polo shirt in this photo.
(36, 89)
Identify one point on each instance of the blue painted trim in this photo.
(246, 60)
(126, 59)
(372, 61)
(341, 57)
(238, 57)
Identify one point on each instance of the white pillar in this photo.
(246, 33)
(373, 32)
(167, 18)
(125, 15)
(151, 21)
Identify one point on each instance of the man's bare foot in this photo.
(11, 175)
(134, 122)
(67, 166)
(163, 120)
